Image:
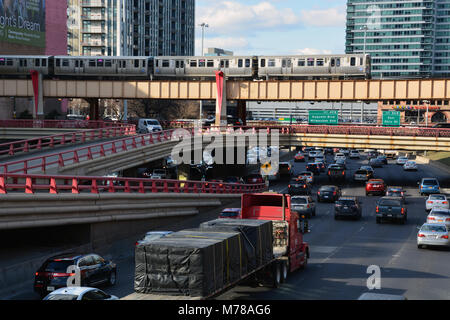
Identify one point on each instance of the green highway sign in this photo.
(323, 117)
(391, 118)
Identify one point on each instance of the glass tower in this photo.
(405, 38)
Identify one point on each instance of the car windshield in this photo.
(437, 197)
(159, 171)
(152, 123)
(299, 201)
(429, 182)
(433, 228)
(62, 297)
(361, 172)
(306, 173)
(441, 213)
(327, 188)
(58, 266)
(229, 214)
(297, 181)
(390, 203)
(394, 192)
(346, 202)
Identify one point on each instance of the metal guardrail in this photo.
(68, 124)
(53, 141)
(31, 184)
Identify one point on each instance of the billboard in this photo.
(23, 22)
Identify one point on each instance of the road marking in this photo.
(323, 249)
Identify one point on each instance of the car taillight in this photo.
(329, 172)
(403, 210)
(289, 186)
(421, 235)
(334, 193)
(447, 220)
(430, 218)
(343, 172)
(429, 202)
(444, 202)
(444, 237)
(307, 206)
(61, 274)
(318, 192)
(377, 209)
(304, 186)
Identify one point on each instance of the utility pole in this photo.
(203, 25)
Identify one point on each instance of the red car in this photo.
(230, 213)
(299, 157)
(375, 186)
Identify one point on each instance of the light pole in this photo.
(428, 106)
(203, 25)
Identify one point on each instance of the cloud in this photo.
(311, 51)
(332, 17)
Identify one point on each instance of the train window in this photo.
(108, 63)
(263, 63)
(136, 63)
(165, 63)
(210, 63)
(44, 63)
(77, 64)
(181, 64)
(283, 63)
(143, 63)
(9, 62)
(58, 62)
(352, 61)
(91, 63)
(37, 62)
(338, 62)
(240, 65)
(177, 64)
(247, 63)
(100, 63)
(271, 63)
(193, 63)
(319, 62)
(301, 63)
(65, 63)
(310, 62)
(333, 62)
(157, 63)
(201, 63)
(2, 61)
(361, 61)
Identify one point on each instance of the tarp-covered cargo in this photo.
(257, 235)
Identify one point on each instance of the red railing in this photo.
(71, 124)
(84, 153)
(31, 184)
(82, 136)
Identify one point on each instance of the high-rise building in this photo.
(131, 27)
(405, 39)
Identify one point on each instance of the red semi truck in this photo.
(290, 252)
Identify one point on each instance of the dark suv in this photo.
(299, 187)
(314, 168)
(55, 272)
(347, 207)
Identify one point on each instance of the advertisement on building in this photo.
(23, 22)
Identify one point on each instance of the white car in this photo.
(410, 165)
(436, 201)
(148, 126)
(344, 151)
(354, 154)
(307, 175)
(340, 156)
(402, 160)
(79, 293)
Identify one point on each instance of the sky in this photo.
(272, 27)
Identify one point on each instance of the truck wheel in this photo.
(276, 275)
(284, 271)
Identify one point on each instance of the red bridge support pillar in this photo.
(93, 108)
(221, 99)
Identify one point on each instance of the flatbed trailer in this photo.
(290, 253)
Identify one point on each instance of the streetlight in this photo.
(426, 117)
(203, 25)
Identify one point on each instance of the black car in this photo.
(328, 151)
(314, 168)
(233, 180)
(299, 187)
(383, 159)
(328, 193)
(348, 207)
(336, 172)
(375, 163)
(55, 272)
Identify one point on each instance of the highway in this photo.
(341, 251)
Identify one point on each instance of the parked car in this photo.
(410, 165)
(348, 207)
(79, 293)
(401, 160)
(390, 208)
(299, 157)
(362, 175)
(354, 154)
(152, 235)
(429, 186)
(230, 213)
(375, 163)
(314, 168)
(328, 193)
(436, 201)
(148, 126)
(439, 215)
(303, 205)
(396, 192)
(433, 234)
(299, 187)
(375, 186)
(336, 172)
(307, 175)
(54, 273)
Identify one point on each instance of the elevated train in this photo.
(304, 67)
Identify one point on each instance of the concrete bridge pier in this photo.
(94, 105)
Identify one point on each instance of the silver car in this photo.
(79, 293)
(303, 205)
(439, 215)
(433, 234)
(436, 201)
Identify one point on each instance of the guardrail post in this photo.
(2, 185)
(124, 146)
(75, 188)
(102, 151)
(166, 189)
(76, 159)
(74, 138)
(60, 160)
(111, 188)
(154, 189)
(11, 149)
(53, 188)
(127, 187)
(39, 144)
(94, 186)
(63, 139)
(29, 185)
(25, 147)
(113, 147)
(195, 188)
(141, 187)
(133, 143)
(52, 142)
(186, 187)
(89, 154)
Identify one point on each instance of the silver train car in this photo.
(314, 66)
(23, 65)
